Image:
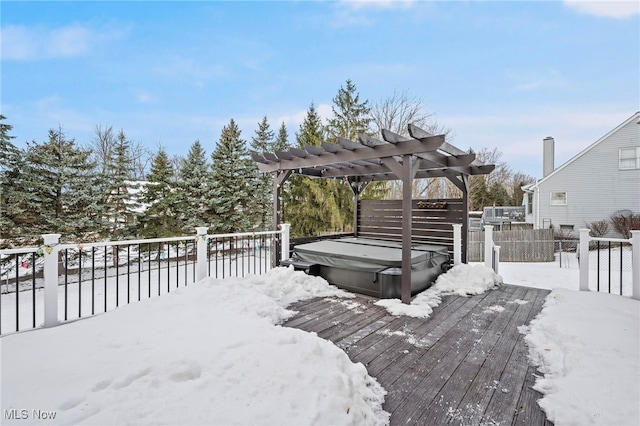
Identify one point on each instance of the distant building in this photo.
(601, 180)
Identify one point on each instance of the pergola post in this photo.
(408, 173)
(357, 185)
(279, 178)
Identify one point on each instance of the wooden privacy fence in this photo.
(432, 220)
(518, 245)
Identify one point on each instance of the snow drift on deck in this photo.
(588, 347)
(209, 353)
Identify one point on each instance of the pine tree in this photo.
(281, 142)
(159, 194)
(310, 204)
(64, 184)
(231, 190)
(13, 216)
(262, 182)
(120, 197)
(193, 194)
(350, 116)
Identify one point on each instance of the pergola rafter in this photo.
(423, 155)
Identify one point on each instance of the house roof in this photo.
(635, 116)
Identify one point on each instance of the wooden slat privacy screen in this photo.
(382, 219)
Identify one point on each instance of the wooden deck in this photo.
(465, 365)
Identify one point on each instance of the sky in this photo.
(499, 74)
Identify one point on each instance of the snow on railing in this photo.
(585, 267)
(61, 282)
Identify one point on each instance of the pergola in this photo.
(423, 155)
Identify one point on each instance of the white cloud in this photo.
(145, 97)
(351, 13)
(378, 4)
(295, 119)
(22, 43)
(609, 9)
(536, 79)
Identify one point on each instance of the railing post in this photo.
(457, 244)
(488, 246)
(635, 265)
(201, 253)
(496, 259)
(583, 259)
(285, 240)
(50, 254)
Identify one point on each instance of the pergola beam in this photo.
(318, 156)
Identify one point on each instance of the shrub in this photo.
(625, 222)
(598, 228)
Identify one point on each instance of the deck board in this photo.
(466, 364)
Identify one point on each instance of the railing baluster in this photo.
(139, 266)
(17, 293)
(186, 262)
(621, 252)
(33, 287)
(116, 260)
(93, 280)
(216, 256)
(598, 268)
(158, 260)
(80, 283)
(105, 278)
(168, 266)
(128, 273)
(149, 270)
(609, 269)
(177, 262)
(66, 281)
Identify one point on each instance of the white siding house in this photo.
(599, 181)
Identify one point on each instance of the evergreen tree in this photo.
(159, 194)
(281, 142)
(350, 116)
(120, 197)
(193, 194)
(13, 216)
(62, 179)
(310, 204)
(262, 182)
(478, 193)
(231, 190)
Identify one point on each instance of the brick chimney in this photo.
(547, 156)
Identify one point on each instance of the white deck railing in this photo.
(38, 284)
(584, 259)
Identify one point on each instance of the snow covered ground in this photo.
(212, 353)
(205, 354)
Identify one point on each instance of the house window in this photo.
(629, 158)
(559, 198)
(529, 203)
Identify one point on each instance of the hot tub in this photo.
(372, 267)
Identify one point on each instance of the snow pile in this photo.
(466, 280)
(205, 354)
(462, 280)
(588, 347)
